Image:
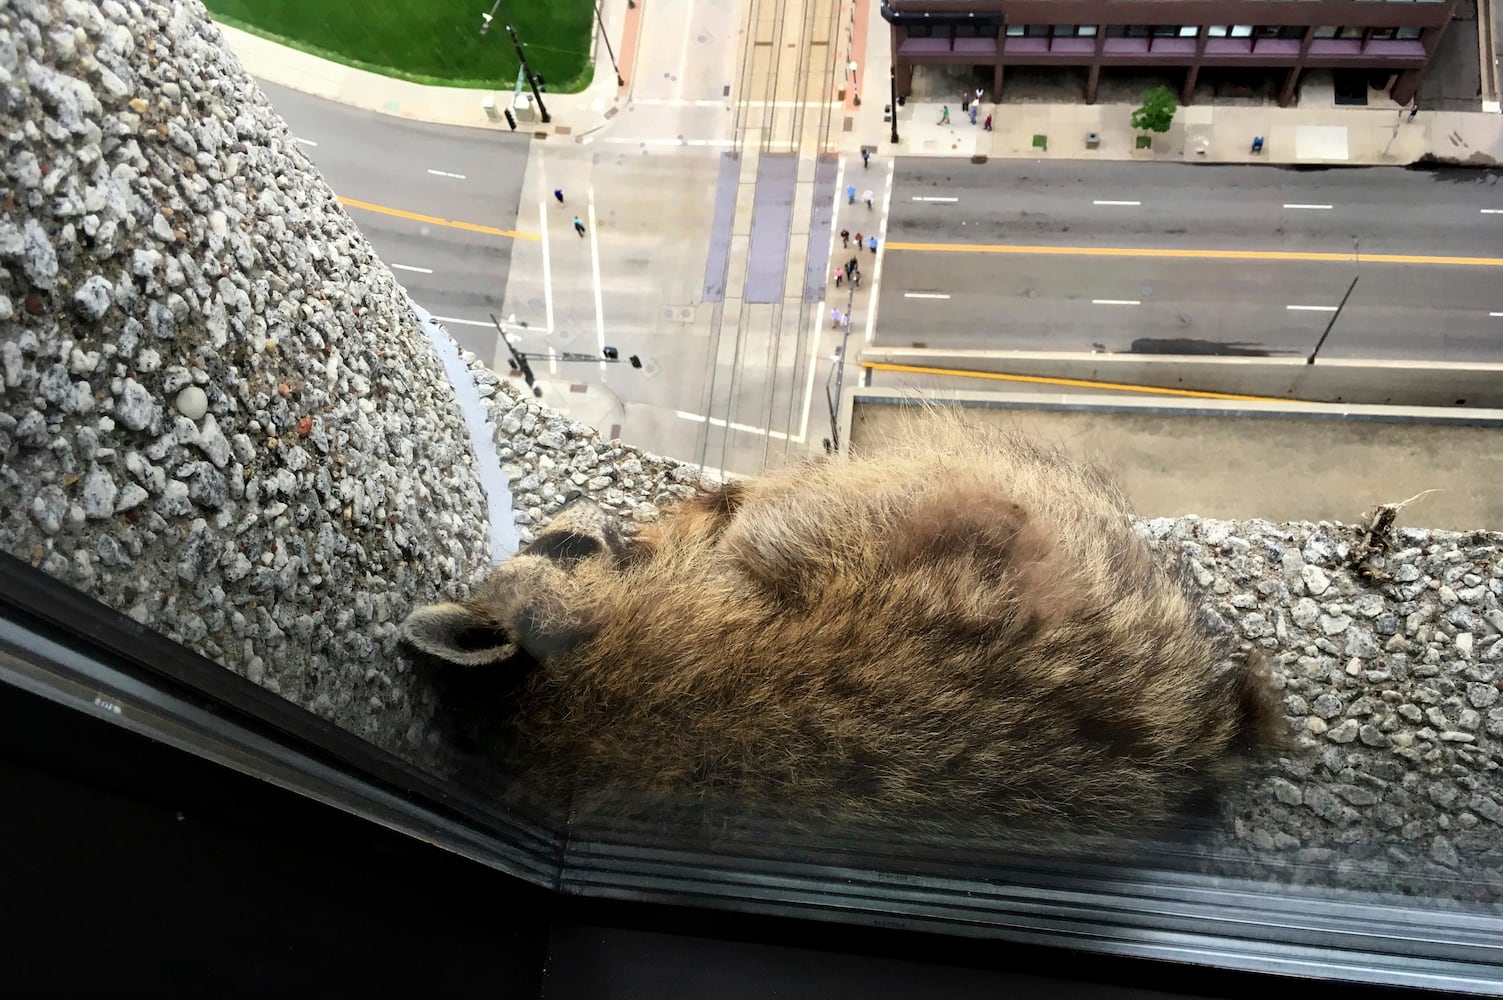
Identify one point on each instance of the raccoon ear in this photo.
(459, 634)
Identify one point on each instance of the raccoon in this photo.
(964, 623)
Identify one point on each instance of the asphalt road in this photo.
(1265, 299)
(389, 162)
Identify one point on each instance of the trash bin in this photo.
(1092, 140)
(489, 104)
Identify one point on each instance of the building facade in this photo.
(1396, 36)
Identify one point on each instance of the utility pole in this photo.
(532, 80)
(608, 50)
(892, 76)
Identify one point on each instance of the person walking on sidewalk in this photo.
(850, 194)
(974, 108)
(856, 278)
(860, 242)
(978, 96)
(845, 237)
(965, 102)
(559, 194)
(872, 244)
(835, 317)
(944, 114)
(839, 276)
(866, 159)
(866, 196)
(579, 227)
(987, 125)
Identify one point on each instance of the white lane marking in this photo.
(871, 300)
(305, 142)
(1496, 314)
(409, 267)
(815, 328)
(1116, 302)
(673, 102)
(725, 143)
(1316, 309)
(543, 231)
(925, 295)
(465, 322)
(1491, 211)
(1099, 202)
(917, 198)
(1318, 208)
(445, 173)
(595, 270)
(700, 418)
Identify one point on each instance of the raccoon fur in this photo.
(963, 623)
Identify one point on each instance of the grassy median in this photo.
(432, 41)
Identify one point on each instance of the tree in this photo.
(1157, 111)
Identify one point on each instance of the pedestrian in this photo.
(965, 102)
(974, 109)
(850, 267)
(860, 242)
(978, 96)
(839, 275)
(578, 226)
(944, 114)
(866, 159)
(845, 320)
(835, 317)
(987, 125)
(559, 194)
(845, 237)
(856, 278)
(872, 244)
(866, 196)
(850, 194)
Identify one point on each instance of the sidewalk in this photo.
(1201, 132)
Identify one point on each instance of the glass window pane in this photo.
(1407, 34)
(1241, 30)
(1189, 31)
(1165, 30)
(1326, 31)
(1086, 31)
(1352, 32)
(1037, 31)
(1216, 31)
(1014, 31)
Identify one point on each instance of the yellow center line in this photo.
(1077, 383)
(1289, 255)
(434, 220)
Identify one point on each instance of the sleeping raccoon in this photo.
(963, 624)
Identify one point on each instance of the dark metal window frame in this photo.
(69, 649)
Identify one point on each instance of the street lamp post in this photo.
(520, 361)
(605, 37)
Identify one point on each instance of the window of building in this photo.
(1216, 31)
(1326, 31)
(1407, 34)
(1189, 31)
(1266, 31)
(1241, 31)
(1165, 30)
(1382, 33)
(920, 30)
(1294, 31)
(1137, 31)
(1116, 31)
(1351, 33)
(1014, 31)
(1037, 31)
(1086, 30)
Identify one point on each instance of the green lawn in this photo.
(429, 41)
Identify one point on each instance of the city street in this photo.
(1060, 257)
